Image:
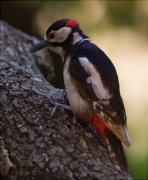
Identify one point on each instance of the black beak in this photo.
(39, 46)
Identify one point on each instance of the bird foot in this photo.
(56, 106)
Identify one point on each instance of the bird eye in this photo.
(51, 35)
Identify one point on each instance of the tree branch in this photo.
(33, 146)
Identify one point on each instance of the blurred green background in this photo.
(119, 28)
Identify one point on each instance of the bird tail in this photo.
(116, 151)
(115, 148)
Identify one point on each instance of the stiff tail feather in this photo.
(116, 151)
(115, 148)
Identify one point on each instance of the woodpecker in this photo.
(92, 85)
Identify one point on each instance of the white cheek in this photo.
(61, 35)
(100, 91)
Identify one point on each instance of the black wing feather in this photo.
(107, 72)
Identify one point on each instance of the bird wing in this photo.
(103, 97)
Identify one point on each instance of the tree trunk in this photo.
(33, 146)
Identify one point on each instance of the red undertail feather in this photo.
(114, 145)
(100, 127)
(71, 23)
(96, 123)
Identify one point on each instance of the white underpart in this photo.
(77, 104)
(77, 38)
(57, 49)
(100, 91)
(60, 35)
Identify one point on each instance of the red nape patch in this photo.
(71, 23)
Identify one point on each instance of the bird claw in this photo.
(53, 111)
(56, 106)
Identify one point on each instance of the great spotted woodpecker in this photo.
(92, 85)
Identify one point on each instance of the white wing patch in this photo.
(100, 91)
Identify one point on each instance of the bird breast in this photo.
(77, 104)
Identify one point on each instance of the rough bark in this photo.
(33, 146)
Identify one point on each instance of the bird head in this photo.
(60, 36)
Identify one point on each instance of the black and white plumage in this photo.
(92, 85)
